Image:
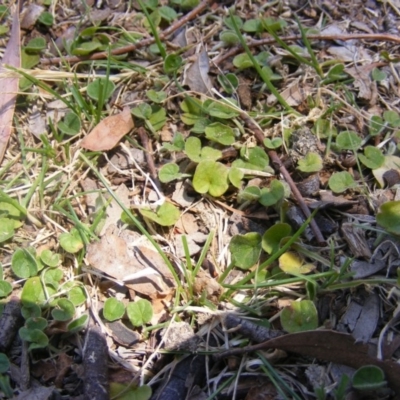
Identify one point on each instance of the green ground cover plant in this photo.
(174, 164)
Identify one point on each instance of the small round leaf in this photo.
(312, 162)
(389, 217)
(139, 312)
(348, 140)
(273, 236)
(172, 63)
(23, 264)
(113, 309)
(245, 249)
(100, 88)
(4, 363)
(49, 258)
(300, 316)
(65, 310)
(369, 377)
(78, 324)
(220, 133)
(169, 172)
(165, 215)
(292, 263)
(77, 295)
(5, 288)
(211, 177)
(71, 242)
(341, 181)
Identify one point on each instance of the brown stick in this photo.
(337, 347)
(345, 36)
(149, 155)
(278, 165)
(95, 360)
(10, 322)
(126, 49)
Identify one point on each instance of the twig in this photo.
(95, 366)
(10, 321)
(149, 155)
(247, 328)
(127, 49)
(278, 165)
(291, 38)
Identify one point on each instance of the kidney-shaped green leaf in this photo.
(140, 312)
(113, 309)
(165, 215)
(300, 316)
(389, 217)
(341, 181)
(348, 140)
(211, 177)
(273, 236)
(245, 249)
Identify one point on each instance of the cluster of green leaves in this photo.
(154, 116)
(265, 196)
(98, 38)
(371, 158)
(366, 156)
(246, 253)
(255, 26)
(89, 40)
(30, 57)
(44, 293)
(209, 124)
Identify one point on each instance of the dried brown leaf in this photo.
(109, 131)
(120, 256)
(12, 57)
(331, 346)
(196, 75)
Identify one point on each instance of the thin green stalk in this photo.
(83, 230)
(314, 256)
(45, 87)
(228, 269)
(5, 198)
(245, 307)
(189, 267)
(281, 43)
(278, 282)
(15, 180)
(134, 220)
(357, 282)
(203, 252)
(7, 167)
(99, 216)
(41, 178)
(336, 276)
(21, 141)
(259, 70)
(60, 195)
(103, 89)
(307, 43)
(153, 30)
(277, 381)
(222, 387)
